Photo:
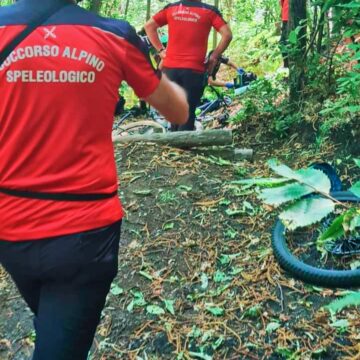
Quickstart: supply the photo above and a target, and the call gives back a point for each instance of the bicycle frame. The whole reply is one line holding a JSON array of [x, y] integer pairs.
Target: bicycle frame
[[213, 104], [205, 108]]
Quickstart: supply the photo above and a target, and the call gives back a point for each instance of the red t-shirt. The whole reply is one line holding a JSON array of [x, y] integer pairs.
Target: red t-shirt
[[59, 89], [189, 24], [284, 10]]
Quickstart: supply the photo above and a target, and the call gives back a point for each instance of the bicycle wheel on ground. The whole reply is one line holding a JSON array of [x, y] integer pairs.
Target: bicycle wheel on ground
[[227, 100], [144, 127], [297, 253]]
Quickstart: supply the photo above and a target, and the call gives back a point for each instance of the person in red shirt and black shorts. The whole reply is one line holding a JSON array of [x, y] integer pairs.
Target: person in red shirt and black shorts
[[60, 215], [189, 24], [284, 31]]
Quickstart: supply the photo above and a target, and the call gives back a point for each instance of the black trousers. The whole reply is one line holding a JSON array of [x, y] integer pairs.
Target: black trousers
[[284, 42], [193, 83], [64, 280]]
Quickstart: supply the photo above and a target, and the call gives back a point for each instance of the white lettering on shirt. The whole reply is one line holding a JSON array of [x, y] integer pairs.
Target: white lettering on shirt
[[39, 51], [50, 76]]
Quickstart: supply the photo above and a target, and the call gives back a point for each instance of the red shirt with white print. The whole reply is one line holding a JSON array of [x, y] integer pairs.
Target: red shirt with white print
[[189, 24], [59, 89]]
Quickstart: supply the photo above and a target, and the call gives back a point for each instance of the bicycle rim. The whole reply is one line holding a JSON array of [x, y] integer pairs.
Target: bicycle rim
[[145, 127]]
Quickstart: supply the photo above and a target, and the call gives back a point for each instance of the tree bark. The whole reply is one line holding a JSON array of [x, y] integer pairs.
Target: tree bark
[[95, 6], [148, 9], [214, 31], [321, 33], [182, 139], [297, 23], [126, 8]]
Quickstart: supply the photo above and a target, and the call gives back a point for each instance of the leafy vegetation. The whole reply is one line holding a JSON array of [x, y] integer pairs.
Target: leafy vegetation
[[294, 191], [352, 299]]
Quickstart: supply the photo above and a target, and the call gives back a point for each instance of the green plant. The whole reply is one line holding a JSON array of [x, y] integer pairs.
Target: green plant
[[345, 108], [292, 192], [262, 102], [352, 299], [167, 197]]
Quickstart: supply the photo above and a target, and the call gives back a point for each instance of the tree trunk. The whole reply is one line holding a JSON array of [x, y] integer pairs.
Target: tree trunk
[[148, 10], [214, 31], [126, 8], [297, 23], [95, 6]]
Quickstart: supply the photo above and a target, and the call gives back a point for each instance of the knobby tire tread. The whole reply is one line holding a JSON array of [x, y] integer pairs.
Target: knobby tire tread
[[307, 273]]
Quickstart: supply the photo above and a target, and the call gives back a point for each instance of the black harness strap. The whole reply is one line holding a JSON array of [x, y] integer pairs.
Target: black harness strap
[[39, 20], [57, 196]]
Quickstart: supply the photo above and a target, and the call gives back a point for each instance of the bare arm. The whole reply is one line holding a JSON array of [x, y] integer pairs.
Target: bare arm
[[170, 100], [151, 31], [215, 82], [226, 37], [232, 65]]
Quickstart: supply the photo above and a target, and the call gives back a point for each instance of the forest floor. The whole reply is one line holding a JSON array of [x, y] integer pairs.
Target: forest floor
[[197, 277]]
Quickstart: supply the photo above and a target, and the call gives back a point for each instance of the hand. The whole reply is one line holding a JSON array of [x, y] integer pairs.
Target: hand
[[240, 71], [229, 85], [162, 54], [211, 63]]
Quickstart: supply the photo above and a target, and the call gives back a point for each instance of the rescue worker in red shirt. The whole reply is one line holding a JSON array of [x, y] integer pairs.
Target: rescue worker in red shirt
[[60, 215], [284, 31], [189, 24]]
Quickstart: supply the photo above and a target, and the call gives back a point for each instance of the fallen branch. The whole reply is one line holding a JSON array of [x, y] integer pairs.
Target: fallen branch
[[182, 139], [227, 153]]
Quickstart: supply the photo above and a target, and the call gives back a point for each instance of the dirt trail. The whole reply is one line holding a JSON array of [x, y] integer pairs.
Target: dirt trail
[[197, 278]]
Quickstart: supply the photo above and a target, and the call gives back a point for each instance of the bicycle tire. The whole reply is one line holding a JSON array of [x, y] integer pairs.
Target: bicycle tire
[[330, 172], [138, 125], [227, 100], [307, 273]]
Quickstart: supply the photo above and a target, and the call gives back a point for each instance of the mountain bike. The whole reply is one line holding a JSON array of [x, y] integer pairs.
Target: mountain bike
[[206, 107], [337, 265], [221, 101], [154, 122]]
